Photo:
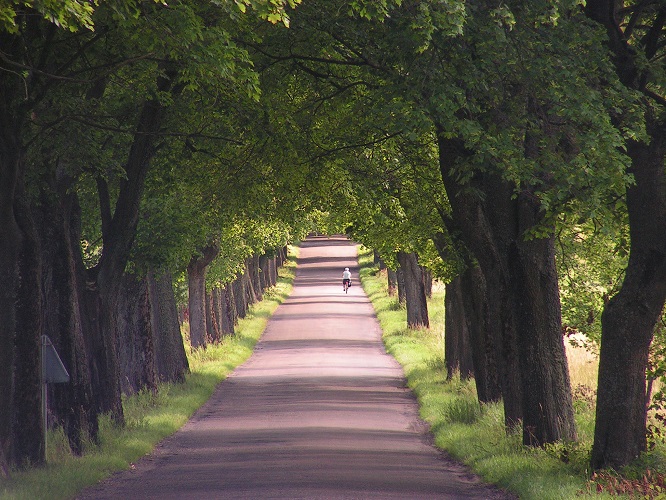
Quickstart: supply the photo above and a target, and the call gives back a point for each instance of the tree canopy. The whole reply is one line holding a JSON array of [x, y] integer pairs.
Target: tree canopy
[[517, 143]]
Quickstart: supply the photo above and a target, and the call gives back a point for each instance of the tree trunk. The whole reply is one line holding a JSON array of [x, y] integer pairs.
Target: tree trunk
[[11, 173], [248, 283], [136, 352], [457, 345], [264, 272], [255, 276], [392, 278], [475, 313], [118, 232], [231, 305], [273, 270], [548, 414], [482, 338], [218, 311], [28, 429], [196, 279], [212, 312], [477, 220], [427, 281], [226, 312], [170, 358], [522, 292], [72, 403], [628, 320], [400, 280], [240, 300], [415, 296]]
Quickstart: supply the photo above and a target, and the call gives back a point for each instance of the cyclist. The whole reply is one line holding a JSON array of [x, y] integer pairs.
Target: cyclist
[[346, 278]]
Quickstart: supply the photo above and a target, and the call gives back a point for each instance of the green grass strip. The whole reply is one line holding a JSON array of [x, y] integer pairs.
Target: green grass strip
[[149, 417]]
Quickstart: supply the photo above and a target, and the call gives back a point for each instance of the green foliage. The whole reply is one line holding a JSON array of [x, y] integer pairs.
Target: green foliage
[[68, 14], [592, 256]]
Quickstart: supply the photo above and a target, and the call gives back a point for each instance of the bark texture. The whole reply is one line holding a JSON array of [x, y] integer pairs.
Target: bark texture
[[457, 345], [170, 358], [136, 351], [521, 294], [196, 280], [415, 291]]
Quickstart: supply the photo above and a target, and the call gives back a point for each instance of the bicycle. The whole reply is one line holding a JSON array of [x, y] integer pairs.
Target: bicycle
[[346, 284]]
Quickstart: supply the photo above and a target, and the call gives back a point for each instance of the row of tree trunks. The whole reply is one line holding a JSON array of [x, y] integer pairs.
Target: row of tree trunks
[[413, 283], [520, 288], [71, 404], [151, 348], [216, 312]]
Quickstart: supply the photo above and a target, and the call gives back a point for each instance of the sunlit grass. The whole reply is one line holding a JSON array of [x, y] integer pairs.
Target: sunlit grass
[[150, 417]]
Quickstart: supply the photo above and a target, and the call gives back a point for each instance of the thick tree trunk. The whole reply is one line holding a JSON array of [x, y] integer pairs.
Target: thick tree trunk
[[629, 319], [392, 278], [475, 314], [400, 281], [240, 296], [218, 311], [255, 276], [264, 271], [548, 414], [28, 429], [212, 312], [226, 312], [427, 281], [170, 358], [11, 172], [196, 279], [10, 240], [231, 305], [482, 339], [248, 283], [415, 296], [72, 403], [457, 345], [136, 352], [273, 266]]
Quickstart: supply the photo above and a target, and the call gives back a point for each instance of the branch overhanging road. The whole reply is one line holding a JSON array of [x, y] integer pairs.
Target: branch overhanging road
[[319, 411]]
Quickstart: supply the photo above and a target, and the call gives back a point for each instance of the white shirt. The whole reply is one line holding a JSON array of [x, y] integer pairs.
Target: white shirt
[[346, 275]]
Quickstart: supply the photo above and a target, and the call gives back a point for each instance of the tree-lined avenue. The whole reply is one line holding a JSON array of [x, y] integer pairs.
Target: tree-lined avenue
[[319, 411]]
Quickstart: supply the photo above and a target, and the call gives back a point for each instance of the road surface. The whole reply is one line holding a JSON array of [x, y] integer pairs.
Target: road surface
[[319, 411]]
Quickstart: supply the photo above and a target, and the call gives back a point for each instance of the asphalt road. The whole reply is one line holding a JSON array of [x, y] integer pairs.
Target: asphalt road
[[319, 411]]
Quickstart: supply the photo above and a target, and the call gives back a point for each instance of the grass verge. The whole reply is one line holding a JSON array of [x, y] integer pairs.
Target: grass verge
[[474, 434], [150, 417]]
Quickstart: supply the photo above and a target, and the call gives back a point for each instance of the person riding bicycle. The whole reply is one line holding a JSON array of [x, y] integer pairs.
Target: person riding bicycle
[[346, 278]]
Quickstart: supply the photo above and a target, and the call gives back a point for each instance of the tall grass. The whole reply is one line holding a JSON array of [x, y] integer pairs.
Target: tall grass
[[149, 417], [472, 433]]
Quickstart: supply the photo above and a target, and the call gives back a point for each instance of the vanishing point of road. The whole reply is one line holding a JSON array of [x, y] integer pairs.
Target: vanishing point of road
[[319, 411]]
